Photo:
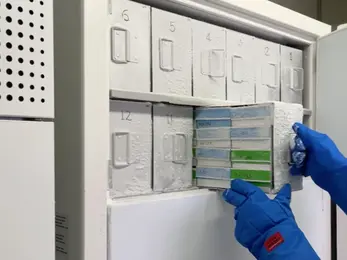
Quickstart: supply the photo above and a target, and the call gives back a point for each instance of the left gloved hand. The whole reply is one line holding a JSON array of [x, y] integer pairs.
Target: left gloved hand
[[267, 227]]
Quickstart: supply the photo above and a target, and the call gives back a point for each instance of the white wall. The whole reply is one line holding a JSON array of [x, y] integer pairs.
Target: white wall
[[334, 12], [306, 7], [328, 11]]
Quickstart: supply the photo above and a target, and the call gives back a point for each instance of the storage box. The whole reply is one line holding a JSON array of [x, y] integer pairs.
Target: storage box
[[249, 142]]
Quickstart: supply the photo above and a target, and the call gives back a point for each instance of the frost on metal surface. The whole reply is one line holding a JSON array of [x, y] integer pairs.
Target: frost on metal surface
[[267, 59], [209, 73], [173, 133], [292, 75], [130, 25], [171, 53], [131, 148]]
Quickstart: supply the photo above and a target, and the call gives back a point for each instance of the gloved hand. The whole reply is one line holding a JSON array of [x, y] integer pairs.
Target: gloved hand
[[267, 227], [323, 162]]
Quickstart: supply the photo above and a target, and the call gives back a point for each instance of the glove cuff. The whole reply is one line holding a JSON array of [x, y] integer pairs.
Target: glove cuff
[[284, 241]]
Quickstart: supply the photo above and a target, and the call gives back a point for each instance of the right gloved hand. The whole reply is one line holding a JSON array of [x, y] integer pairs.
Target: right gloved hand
[[323, 162]]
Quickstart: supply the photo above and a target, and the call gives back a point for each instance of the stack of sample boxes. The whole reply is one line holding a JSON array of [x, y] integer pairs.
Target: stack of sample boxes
[[233, 143], [249, 142]]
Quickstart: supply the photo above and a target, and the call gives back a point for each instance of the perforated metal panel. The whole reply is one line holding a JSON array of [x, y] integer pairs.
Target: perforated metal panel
[[26, 58]]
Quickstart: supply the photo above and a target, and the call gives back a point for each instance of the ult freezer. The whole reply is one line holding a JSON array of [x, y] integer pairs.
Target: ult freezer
[[103, 226]]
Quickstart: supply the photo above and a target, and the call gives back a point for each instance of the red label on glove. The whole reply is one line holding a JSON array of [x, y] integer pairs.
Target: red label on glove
[[272, 242]]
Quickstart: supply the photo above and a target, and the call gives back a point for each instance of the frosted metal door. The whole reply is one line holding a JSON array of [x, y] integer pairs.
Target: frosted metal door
[[130, 46], [209, 61], [292, 75], [331, 105], [131, 148], [172, 133], [240, 67], [172, 53], [267, 58]]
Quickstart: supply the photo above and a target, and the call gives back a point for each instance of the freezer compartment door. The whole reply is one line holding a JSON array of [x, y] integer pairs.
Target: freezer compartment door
[[331, 105], [194, 225]]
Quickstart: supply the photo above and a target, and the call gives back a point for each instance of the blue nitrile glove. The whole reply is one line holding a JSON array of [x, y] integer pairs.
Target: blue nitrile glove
[[267, 227], [324, 163]]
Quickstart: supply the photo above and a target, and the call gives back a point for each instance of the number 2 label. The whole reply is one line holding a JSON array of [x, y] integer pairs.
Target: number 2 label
[[126, 115]]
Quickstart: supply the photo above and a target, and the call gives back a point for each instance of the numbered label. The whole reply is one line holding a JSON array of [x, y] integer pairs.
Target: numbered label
[[169, 119], [267, 51], [126, 115], [125, 15], [172, 27]]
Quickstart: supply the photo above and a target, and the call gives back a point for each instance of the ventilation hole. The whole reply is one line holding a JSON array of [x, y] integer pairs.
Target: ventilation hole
[[0, 96], [42, 51], [32, 74], [42, 39], [9, 6], [32, 99], [20, 47], [31, 24], [31, 49], [32, 87], [21, 99], [42, 15], [42, 76], [42, 64], [31, 1], [20, 35], [41, 2], [21, 85], [9, 45], [20, 22], [8, 32], [31, 12], [9, 58], [32, 62], [9, 97], [9, 71], [20, 73], [8, 19], [9, 84], [42, 100], [42, 27], [20, 9], [31, 37], [43, 88], [20, 60]]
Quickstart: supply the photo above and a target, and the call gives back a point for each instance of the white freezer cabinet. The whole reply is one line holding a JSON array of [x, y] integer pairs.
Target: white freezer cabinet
[[148, 148], [173, 54], [100, 227]]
